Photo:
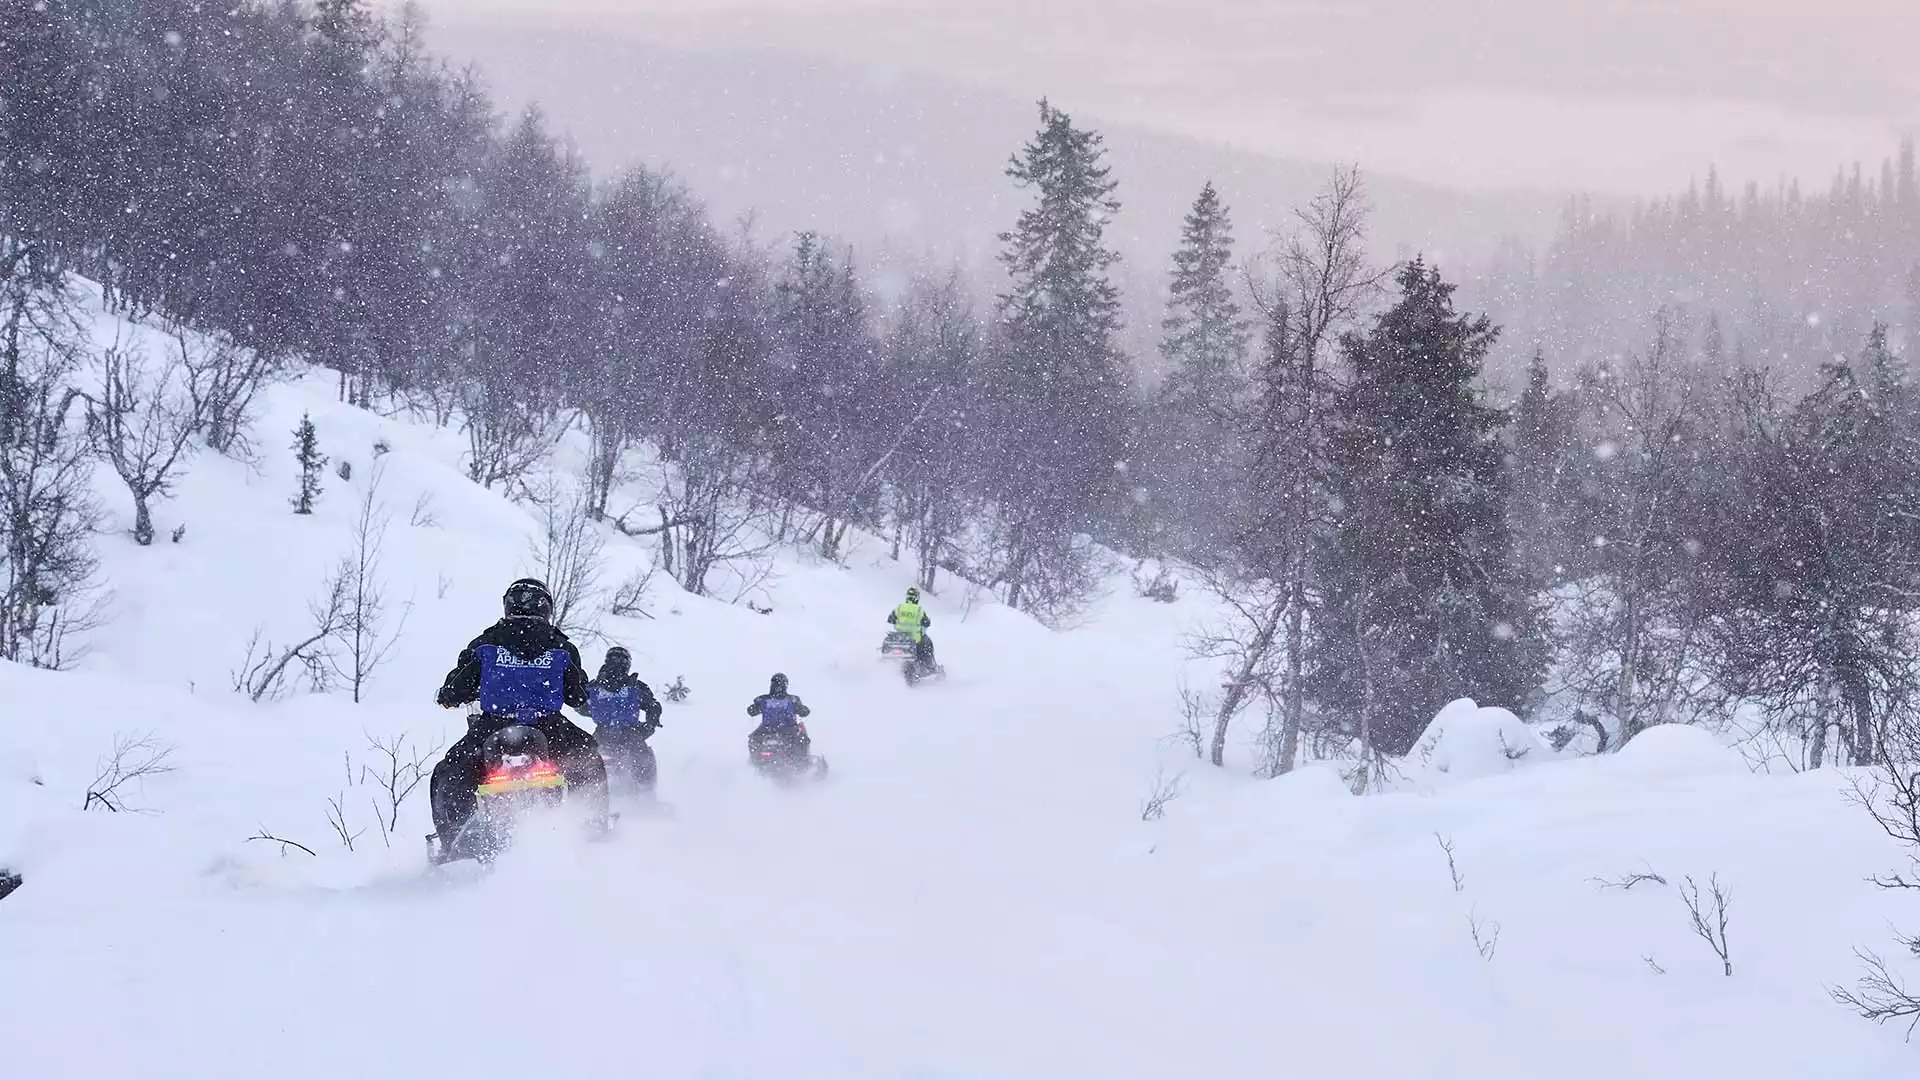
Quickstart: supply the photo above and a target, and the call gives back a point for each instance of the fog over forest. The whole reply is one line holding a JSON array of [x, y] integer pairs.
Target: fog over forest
[[887, 127]]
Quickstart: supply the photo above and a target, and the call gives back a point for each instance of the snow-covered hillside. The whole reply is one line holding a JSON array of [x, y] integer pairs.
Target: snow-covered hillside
[[973, 893]]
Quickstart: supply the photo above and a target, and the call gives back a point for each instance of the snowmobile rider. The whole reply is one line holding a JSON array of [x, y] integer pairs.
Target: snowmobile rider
[[521, 670], [617, 700], [780, 714], [912, 619]]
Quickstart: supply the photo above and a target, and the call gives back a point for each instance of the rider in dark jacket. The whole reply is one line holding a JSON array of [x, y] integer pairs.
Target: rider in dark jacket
[[521, 670], [625, 715], [780, 714]]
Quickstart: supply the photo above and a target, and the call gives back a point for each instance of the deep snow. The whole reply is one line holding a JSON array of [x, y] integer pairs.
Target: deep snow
[[971, 894]]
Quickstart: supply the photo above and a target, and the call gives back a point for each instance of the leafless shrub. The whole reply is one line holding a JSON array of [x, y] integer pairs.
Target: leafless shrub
[[569, 551], [1485, 932], [1453, 867], [1195, 707], [179, 532], [398, 770], [1654, 965], [1160, 586], [1486, 935], [262, 675], [142, 424], [678, 691], [1165, 790], [1892, 796], [424, 516], [630, 599], [441, 584], [712, 516], [506, 438], [365, 643], [1882, 995], [222, 380], [1709, 917], [337, 817], [133, 759]]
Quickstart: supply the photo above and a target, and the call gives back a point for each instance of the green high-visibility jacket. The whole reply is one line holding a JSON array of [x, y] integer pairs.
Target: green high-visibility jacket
[[910, 618]]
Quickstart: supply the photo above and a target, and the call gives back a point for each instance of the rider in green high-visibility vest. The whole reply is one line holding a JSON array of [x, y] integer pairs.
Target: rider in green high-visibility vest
[[912, 619]]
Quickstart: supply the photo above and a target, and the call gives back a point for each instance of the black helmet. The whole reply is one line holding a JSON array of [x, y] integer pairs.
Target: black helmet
[[529, 598], [913, 596], [618, 662], [777, 685]]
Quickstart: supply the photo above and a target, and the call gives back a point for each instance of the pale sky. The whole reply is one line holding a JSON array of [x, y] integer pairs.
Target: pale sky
[[1610, 95]]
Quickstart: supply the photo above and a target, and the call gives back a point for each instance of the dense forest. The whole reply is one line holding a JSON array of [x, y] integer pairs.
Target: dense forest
[[1718, 521], [1786, 278]]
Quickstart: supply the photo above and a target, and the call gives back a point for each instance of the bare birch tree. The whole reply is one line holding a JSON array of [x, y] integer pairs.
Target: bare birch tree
[[1314, 283], [1631, 633], [47, 512], [141, 422]]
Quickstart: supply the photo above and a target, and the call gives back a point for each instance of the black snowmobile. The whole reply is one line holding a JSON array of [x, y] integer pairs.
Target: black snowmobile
[[521, 778], [784, 755], [632, 770], [899, 647]]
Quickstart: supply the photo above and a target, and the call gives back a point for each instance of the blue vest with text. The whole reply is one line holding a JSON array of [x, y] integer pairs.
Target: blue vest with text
[[778, 712], [517, 688], [614, 708]]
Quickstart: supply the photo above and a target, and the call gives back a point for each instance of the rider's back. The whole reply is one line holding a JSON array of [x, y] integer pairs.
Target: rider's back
[[518, 668]]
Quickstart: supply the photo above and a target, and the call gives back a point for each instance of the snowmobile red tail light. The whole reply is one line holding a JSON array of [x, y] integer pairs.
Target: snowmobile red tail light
[[537, 777]]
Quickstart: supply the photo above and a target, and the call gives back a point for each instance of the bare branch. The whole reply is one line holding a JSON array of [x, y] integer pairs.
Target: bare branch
[[1453, 868], [1165, 790], [1628, 882], [133, 758], [1709, 917], [263, 834]]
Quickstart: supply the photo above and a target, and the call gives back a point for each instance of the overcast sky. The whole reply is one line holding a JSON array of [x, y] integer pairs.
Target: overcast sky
[[1613, 95]]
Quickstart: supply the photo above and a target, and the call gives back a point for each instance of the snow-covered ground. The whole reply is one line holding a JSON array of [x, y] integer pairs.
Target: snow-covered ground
[[972, 893]]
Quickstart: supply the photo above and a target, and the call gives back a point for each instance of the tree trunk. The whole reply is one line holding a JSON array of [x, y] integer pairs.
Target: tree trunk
[[1296, 704], [142, 521], [1859, 701]]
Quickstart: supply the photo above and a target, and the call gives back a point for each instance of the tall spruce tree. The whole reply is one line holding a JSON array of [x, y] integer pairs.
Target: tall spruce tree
[[1424, 601], [1189, 441], [1060, 391], [1204, 338], [1547, 495]]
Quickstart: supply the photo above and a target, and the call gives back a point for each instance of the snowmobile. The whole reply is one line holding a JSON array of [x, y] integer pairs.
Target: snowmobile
[[521, 777], [632, 770], [784, 757], [899, 647]]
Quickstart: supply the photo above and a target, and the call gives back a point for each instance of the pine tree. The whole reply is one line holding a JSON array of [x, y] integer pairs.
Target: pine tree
[[1423, 600], [1204, 337], [306, 451], [826, 356], [1060, 389], [1547, 497], [1189, 442]]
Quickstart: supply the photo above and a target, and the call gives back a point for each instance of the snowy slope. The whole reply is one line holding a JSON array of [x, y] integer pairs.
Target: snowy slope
[[972, 894]]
